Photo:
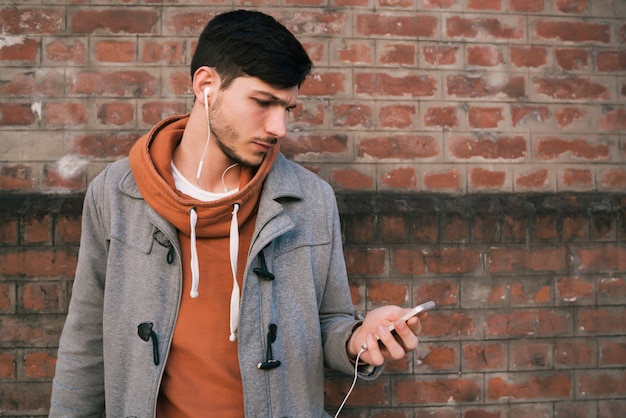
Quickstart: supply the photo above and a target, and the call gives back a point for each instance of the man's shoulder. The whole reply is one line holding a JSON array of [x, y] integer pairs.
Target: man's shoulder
[[288, 167], [118, 168], [288, 178], [113, 175]]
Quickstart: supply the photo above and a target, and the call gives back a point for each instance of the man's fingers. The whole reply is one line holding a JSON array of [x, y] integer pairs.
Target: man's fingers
[[406, 335], [395, 350], [373, 355], [415, 324]]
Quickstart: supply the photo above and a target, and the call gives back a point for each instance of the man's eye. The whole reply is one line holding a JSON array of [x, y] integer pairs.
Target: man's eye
[[263, 103]]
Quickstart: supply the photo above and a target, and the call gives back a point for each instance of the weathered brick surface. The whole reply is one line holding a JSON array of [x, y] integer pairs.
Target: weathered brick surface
[[445, 96], [531, 290], [531, 296], [483, 102]]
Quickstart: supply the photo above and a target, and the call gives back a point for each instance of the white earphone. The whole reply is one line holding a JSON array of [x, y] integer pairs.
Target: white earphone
[[207, 90]]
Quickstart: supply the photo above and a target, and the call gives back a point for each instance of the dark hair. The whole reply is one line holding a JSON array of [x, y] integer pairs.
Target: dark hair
[[241, 42]]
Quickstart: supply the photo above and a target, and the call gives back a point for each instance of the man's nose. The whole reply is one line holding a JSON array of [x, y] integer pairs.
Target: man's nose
[[276, 123]]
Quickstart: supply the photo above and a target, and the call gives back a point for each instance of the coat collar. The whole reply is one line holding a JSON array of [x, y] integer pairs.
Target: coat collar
[[281, 185]]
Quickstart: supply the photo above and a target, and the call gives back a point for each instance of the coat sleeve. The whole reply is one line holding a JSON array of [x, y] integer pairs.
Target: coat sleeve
[[78, 385], [337, 311]]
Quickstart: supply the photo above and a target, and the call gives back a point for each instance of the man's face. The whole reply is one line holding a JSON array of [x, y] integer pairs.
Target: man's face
[[249, 117]]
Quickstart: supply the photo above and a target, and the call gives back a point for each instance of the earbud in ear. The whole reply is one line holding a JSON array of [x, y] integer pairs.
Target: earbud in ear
[[207, 90]]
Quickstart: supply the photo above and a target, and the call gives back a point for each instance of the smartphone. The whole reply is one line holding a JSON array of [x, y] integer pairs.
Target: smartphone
[[426, 306]]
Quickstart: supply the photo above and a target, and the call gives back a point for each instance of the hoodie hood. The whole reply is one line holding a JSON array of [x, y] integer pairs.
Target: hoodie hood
[[150, 159]]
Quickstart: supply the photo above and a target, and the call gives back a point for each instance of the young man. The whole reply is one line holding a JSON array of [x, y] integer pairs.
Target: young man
[[211, 279]]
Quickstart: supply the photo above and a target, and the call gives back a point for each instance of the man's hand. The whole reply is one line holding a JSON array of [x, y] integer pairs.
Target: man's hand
[[389, 346]]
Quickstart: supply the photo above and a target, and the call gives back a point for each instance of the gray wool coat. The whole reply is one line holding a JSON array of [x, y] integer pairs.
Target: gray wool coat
[[123, 279]]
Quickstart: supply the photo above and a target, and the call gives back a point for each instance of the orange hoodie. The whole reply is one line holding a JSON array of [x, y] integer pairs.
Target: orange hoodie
[[202, 371]]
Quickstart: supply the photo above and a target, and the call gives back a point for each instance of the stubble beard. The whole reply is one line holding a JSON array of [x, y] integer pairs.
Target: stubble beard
[[222, 129]]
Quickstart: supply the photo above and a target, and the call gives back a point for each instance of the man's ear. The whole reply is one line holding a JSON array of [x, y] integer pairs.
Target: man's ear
[[205, 77]]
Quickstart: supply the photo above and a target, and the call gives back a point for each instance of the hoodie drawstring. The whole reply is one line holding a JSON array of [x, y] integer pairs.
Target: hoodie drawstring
[[234, 256], [195, 268]]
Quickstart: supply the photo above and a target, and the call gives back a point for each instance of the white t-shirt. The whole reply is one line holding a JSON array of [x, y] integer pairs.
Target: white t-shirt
[[190, 189]]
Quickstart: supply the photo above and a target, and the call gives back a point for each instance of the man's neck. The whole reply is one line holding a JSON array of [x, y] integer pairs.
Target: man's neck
[[211, 170]]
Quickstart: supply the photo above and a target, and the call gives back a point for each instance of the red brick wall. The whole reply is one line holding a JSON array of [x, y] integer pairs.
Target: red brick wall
[[39, 238], [452, 96], [531, 291], [477, 148]]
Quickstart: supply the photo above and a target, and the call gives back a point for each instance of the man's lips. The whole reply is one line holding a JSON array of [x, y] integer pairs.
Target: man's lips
[[265, 145]]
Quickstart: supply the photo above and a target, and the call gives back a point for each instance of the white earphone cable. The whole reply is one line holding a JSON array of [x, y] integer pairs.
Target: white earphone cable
[[356, 375], [208, 136], [224, 173]]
